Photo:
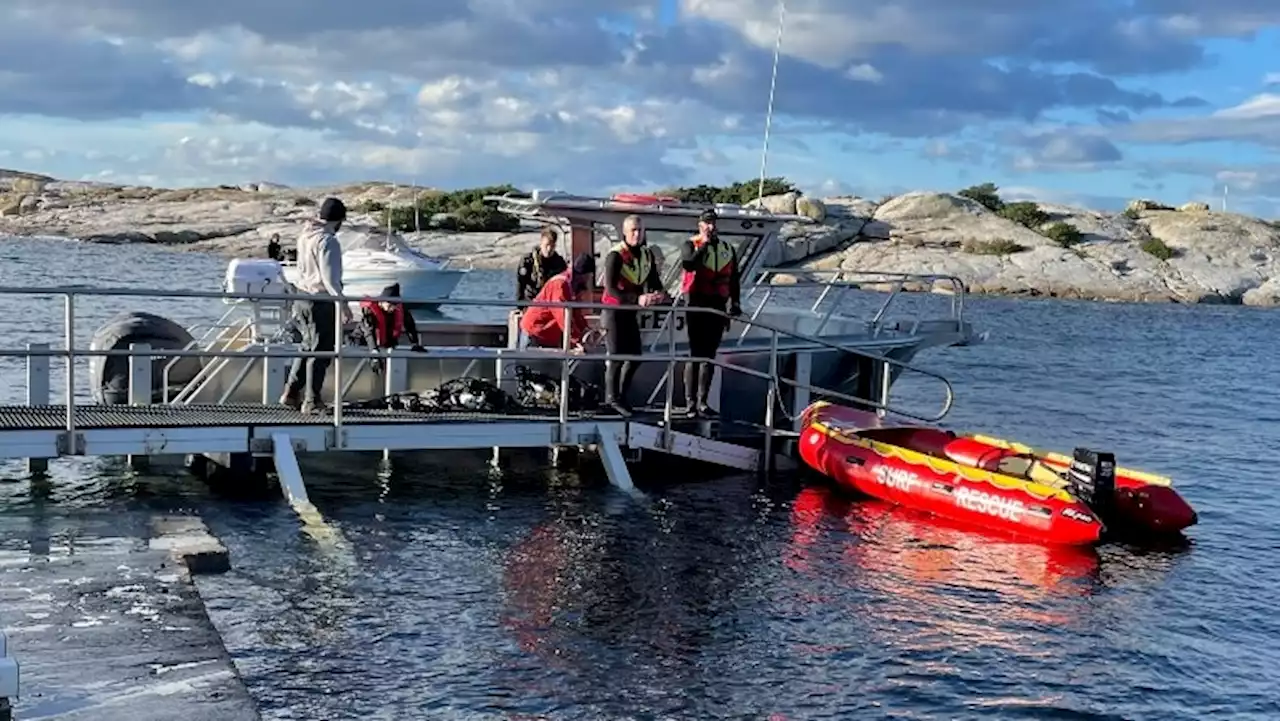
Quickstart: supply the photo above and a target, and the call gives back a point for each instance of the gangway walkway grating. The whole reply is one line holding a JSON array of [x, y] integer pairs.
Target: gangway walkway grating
[[50, 417]]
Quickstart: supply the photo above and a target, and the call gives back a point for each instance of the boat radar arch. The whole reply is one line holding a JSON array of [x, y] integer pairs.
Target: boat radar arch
[[543, 203]]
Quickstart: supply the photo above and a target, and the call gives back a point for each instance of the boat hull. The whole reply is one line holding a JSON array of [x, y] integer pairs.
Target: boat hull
[[976, 498], [425, 287]]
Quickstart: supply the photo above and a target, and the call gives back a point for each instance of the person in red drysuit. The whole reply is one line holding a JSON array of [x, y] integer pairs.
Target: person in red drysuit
[[544, 325]]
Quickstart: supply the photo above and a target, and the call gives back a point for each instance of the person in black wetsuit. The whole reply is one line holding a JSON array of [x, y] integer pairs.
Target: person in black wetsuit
[[539, 266], [273, 248], [630, 278], [711, 280]]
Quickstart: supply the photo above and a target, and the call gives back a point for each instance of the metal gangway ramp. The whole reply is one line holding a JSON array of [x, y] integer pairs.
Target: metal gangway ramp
[[40, 432]]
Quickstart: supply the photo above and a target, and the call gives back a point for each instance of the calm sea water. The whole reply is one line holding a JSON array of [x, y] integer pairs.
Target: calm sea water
[[440, 591]]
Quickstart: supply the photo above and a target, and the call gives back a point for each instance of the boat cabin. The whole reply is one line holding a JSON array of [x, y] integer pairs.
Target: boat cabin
[[594, 224]]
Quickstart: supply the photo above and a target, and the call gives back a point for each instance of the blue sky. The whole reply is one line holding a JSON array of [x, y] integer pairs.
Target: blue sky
[[1093, 102]]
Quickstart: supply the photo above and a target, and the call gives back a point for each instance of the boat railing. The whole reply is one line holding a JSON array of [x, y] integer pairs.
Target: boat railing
[[453, 263], [141, 388], [221, 325], [838, 282], [813, 341], [841, 281]]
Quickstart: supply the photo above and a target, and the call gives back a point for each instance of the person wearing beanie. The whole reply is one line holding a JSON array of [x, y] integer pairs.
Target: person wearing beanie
[[711, 280], [319, 275], [539, 266], [544, 325], [383, 322]]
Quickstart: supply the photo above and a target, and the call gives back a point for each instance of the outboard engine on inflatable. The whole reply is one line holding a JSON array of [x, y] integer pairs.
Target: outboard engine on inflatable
[[1092, 479], [110, 375]]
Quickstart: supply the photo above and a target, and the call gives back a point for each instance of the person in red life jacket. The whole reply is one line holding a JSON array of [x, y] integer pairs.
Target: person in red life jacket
[[544, 325], [711, 280], [630, 278], [383, 322]]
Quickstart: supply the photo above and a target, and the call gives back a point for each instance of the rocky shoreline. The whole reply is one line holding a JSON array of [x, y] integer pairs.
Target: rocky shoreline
[[1149, 253]]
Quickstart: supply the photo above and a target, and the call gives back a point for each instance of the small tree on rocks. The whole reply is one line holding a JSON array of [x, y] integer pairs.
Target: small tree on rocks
[[987, 195]]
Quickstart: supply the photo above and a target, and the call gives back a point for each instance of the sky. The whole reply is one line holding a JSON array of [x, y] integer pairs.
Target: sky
[[1090, 102]]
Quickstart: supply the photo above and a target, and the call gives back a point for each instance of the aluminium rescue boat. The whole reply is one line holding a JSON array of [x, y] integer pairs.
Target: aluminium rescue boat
[[989, 482]]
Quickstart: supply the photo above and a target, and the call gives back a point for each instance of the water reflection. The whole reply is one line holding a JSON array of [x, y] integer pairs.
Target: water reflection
[[938, 583], [630, 596]]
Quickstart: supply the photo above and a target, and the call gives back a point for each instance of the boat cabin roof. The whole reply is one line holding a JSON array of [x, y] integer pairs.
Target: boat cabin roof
[[658, 212]]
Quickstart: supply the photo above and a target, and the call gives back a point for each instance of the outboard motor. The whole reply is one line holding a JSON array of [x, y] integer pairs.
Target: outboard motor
[[1092, 479]]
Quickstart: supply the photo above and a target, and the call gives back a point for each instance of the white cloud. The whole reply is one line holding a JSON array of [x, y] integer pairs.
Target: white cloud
[[543, 91], [1266, 105]]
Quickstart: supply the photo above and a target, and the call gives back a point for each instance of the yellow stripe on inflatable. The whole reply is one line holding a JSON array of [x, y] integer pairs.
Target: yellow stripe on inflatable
[[1065, 460], [945, 467]]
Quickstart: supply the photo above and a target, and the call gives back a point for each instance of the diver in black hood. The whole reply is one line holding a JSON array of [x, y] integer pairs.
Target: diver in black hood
[[383, 322]]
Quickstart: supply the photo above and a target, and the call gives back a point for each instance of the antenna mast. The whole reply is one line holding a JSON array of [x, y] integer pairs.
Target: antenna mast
[[773, 84]]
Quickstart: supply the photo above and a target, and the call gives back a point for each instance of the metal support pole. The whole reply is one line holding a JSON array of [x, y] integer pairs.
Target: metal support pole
[[395, 371], [37, 394], [139, 374], [772, 401], [886, 382], [337, 372], [139, 390], [10, 674], [563, 434], [273, 379], [69, 335], [667, 438], [499, 371], [801, 396], [395, 375]]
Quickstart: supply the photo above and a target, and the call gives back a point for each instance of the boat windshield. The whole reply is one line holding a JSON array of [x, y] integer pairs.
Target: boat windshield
[[372, 240], [666, 249]]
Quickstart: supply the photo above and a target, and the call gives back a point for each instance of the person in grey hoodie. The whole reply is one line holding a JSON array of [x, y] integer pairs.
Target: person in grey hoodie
[[319, 274]]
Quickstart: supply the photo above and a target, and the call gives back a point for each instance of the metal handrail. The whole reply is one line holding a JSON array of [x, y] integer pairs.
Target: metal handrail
[[452, 353], [871, 277], [882, 405], [753, 321], [71, 352]]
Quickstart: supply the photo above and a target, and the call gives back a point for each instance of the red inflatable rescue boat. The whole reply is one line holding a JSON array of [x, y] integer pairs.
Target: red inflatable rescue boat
[[989, 482]]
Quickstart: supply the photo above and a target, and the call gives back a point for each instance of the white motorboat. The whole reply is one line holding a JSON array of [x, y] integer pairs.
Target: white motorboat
[[373, 261]]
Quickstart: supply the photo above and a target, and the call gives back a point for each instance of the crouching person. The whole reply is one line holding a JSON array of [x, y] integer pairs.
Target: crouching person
[[544, 325], [383, 323]]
